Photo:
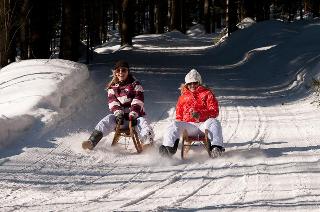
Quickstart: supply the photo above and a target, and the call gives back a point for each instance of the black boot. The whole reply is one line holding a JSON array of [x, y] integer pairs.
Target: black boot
[[95, 137], [167, 151], [216, 151]]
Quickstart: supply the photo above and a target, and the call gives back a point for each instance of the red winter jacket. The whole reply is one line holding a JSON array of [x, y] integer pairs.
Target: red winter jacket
[[201, 102]]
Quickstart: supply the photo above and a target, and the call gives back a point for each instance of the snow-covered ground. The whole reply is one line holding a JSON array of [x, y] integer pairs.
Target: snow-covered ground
[[262, 76]]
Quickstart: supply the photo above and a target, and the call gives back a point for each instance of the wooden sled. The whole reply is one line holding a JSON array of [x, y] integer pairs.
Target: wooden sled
[[189, 141], [127, 132]]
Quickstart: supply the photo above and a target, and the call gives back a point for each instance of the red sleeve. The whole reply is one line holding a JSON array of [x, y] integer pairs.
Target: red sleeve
[[212, 105], [179, 109]]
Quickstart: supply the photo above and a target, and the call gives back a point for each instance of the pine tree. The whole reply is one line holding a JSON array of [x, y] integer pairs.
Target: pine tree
[[70, 32], [4, 32], [126, 21], [39, 36]]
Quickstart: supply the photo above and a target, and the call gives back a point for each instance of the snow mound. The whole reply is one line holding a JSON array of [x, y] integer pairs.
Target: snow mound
[[35, 91], [245, 23], [175, 34], [196, 30]]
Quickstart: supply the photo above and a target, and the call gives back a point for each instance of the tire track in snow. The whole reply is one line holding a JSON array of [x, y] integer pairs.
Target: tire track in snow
[[56, 196], [171, 179], [123, 186], [256, 140], [301, 132], [243, 192], [236, 128], [31, 166], [21, 189], [210, 178], [110, 192], [224, 117], [195, 191], [37, 170], [77, 188], [267, 183], [246, 184], [261, 129]]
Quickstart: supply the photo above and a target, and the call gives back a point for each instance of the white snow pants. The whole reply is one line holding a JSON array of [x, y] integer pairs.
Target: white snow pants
[[108, 125], [175, 129]]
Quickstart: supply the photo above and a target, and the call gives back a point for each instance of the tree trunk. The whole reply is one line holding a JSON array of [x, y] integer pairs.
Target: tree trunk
[[4, 32], [96, 22], [126, 19], [315, 8], [13, 26], [219, 12], [87, 8], [259, 11], [213, 18], [152, 29], [248, 9], [263, 10], [301, 9], [23, 43], [183, 15], [70, 32], [232, 16], [175, 19], [201, 11], [266, 9], [39, 44], [207, 15], [114, 3], [161, 15]]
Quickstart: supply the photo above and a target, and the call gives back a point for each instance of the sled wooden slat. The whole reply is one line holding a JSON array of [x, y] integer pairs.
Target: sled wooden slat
[[127, 132], [189, 141]]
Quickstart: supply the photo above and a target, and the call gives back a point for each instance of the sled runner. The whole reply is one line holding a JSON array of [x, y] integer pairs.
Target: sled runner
[[127, 132], [189, 141]]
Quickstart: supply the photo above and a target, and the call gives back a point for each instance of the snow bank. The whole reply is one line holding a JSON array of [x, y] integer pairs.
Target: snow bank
[[196, 30], [245, 23], [36, 91], [317, 76]]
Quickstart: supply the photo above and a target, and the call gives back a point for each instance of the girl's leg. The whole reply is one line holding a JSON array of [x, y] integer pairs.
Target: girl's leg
[[106, 125], [215, 131], [175, 129], [144, 130]]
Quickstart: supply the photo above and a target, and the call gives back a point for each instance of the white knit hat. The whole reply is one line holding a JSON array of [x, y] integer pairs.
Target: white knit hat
[[193, 76]]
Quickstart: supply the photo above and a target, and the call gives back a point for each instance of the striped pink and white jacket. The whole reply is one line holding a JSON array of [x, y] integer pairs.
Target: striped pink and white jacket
[[126, 98]]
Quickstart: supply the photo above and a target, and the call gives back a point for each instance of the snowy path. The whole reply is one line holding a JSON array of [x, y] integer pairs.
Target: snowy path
[[264, 168], [271, 132]]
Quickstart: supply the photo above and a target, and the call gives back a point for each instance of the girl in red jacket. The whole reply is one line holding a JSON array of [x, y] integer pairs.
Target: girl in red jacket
[[196, 110], [126, 102]]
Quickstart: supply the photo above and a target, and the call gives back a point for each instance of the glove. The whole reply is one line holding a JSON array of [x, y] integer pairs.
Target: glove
[[133, 118], [120, 119], [195, 115]]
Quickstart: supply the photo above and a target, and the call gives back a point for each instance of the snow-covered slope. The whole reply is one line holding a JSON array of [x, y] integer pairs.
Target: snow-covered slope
[[261, 76], [37, 92]]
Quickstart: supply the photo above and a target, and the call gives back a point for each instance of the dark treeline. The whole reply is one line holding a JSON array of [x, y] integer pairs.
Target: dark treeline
[[64, 28]]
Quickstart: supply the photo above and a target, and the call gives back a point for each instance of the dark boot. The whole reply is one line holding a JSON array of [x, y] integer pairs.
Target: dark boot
[[216, 151], [95, 137], [167, 151]]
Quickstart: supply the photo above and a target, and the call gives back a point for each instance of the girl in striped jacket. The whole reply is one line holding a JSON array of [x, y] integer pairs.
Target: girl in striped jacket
[[126, 102]]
